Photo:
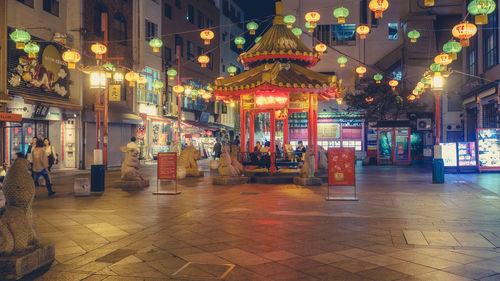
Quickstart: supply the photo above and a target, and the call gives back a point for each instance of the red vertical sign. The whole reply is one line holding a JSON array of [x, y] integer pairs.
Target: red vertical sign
[[167, 166], [341, 167]]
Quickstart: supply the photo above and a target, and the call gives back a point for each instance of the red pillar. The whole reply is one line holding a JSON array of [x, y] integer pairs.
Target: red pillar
[[273, 139], [310, 124], [315, 128], [242, 126], [252, 131], [285, 131]]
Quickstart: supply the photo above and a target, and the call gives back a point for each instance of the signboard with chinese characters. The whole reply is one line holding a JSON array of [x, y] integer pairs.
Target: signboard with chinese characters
[[271, 100], [10, 117], [488, 148], [341, 167], [328, 130], [167, 166], [114, 92]]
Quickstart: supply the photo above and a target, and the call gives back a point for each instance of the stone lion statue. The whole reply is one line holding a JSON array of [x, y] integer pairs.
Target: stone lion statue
[[18, 232], [307, 170], [187, 159], [323, 158], [226, 167], [131, 165]]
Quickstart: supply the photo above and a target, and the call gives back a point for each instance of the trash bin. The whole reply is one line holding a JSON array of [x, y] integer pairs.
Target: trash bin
[[438, 171], [97, 178]]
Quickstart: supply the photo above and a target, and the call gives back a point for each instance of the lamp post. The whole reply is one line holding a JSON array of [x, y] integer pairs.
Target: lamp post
[[437, 163]]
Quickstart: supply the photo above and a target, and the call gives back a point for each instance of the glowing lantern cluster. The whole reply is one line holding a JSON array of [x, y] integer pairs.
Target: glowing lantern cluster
[[289, 20], [339, 101], [71, 57], [98, 49], [171, 74], [481, 9], [21, 37], [362, 30], [369, 99], [32, 49], [452, 48], [118, 77], [156, 44], [257, 40], [393, 83], [131, 77], [436, 68], [378, 77], [239, 41], [361, 70], [320, 48], [341, 13], [97, 80], [442, 59], [252, 26], [378, 7], [207, 35], [203, 60], [464, 31], [312, 17], [342, 61], [413, 35], [232, 70], [206, 95], [428, 3], [411, 97], [297, 31]]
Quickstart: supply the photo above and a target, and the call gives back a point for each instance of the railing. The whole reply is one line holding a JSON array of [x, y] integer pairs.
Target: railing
[[263, 159]]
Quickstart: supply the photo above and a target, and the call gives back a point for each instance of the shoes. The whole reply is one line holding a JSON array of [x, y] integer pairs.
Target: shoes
[[51, 193]]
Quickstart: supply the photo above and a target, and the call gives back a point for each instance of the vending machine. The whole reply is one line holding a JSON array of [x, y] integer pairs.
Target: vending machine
[[69, 143]]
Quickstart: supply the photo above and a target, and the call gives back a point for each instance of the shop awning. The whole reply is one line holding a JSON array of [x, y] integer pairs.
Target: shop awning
[[221, 126], [201, 126]]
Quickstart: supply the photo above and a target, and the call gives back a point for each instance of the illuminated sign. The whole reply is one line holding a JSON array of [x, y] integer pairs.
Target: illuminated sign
[[271, 100]]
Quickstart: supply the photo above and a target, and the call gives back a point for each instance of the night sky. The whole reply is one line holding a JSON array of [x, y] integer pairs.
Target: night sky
[[257, 8]]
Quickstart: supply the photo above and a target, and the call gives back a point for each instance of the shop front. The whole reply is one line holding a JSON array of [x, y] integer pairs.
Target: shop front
[[200, 135], [42, 121], [334, 130]]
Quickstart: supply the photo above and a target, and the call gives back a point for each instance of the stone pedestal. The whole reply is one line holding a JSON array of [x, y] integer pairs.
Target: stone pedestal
[[222, 180], [17, 266], [307, 181], [194, 174], [133, 185]]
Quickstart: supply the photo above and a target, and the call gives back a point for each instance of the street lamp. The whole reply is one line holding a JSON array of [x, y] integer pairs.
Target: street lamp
[[438, 163], [97, 79]]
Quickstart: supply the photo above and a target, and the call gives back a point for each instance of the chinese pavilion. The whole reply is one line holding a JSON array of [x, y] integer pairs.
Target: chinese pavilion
[[279, 83]]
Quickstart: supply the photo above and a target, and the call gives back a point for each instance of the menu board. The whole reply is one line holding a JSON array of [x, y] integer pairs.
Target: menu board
[[488, 147], [467, 154], [449, 151], [341, 167], [167, 166]]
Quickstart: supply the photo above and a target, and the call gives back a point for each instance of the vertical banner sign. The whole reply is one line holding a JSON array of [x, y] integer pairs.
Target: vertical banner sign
[[167, 166], [114, 92], [341, 167]]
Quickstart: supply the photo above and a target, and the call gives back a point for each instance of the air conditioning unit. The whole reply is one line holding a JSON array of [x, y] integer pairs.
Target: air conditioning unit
[[424, 124], [454, 127]]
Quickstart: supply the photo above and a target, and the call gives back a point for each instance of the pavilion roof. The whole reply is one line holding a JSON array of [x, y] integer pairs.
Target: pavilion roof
[[287, 77], [279, 43]]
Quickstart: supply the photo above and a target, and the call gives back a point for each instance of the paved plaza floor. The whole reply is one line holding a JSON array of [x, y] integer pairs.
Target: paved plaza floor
[[402, 228]]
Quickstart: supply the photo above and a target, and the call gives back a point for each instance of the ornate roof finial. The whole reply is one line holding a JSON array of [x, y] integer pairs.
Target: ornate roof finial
[[278, 19]]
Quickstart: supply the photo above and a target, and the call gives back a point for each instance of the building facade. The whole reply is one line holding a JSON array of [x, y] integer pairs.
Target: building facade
[[42, 91]]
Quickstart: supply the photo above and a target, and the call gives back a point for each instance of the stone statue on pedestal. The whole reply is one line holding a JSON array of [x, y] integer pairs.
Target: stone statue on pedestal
[[307, 170], [226, 167], [20, 250], [131, 176]]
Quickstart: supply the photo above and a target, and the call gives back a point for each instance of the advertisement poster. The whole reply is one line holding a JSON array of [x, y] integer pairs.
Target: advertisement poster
[[467, 154], [488, 147], [329, 130], [167, 166], [449, 154], [114, 92], [341, 167]]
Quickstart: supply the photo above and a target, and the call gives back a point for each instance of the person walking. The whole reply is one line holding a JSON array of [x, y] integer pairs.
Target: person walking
[[32, 146], [51, 153], [41, 166], [217, 149]]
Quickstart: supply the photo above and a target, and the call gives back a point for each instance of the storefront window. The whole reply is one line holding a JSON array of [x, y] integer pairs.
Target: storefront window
[[147, 94]]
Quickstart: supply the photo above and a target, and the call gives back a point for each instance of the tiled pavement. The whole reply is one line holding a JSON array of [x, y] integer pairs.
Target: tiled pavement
[[402, 228]]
